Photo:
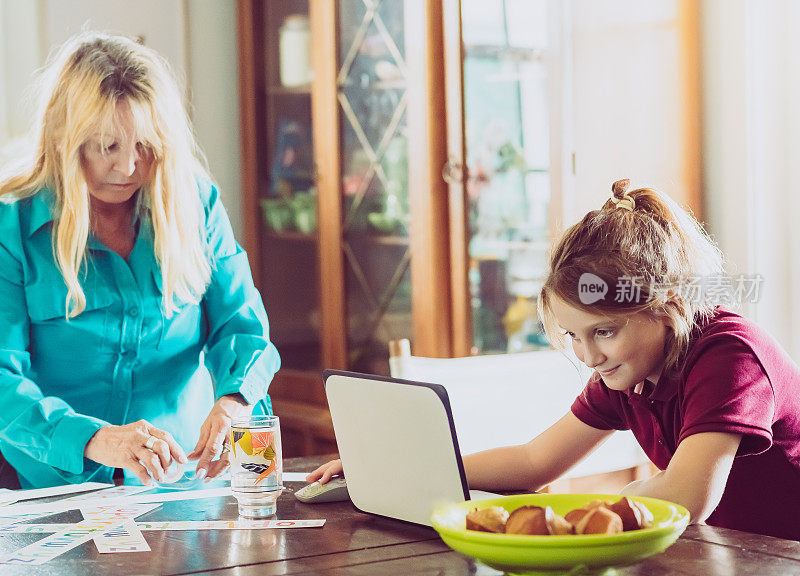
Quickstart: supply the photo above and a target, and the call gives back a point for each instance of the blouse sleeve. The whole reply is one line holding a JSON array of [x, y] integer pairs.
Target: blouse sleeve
[[239, 353], [44, 427], [727, 390]]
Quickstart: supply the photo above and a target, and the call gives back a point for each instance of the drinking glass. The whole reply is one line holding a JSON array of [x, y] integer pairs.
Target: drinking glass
[[256, 464]]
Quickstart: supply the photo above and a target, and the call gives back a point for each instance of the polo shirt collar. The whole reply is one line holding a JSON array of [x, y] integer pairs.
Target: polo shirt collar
[[43, 206], [665, 389]]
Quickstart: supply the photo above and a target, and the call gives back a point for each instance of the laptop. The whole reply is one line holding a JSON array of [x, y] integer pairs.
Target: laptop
[[398, 445]]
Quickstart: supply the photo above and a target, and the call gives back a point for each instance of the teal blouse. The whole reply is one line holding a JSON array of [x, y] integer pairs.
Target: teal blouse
[[121, 359]]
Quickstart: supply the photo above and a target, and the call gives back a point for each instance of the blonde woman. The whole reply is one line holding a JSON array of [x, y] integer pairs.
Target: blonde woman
[[123, 289]]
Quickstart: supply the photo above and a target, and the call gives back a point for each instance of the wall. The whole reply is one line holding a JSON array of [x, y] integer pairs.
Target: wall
[[214, 73], [629, 106], [751, 72], [160, 23], [20, 55], [198, 37]]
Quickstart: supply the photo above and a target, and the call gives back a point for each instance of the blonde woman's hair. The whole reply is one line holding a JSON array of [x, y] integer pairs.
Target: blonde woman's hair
[[79, 90], [644, 247]]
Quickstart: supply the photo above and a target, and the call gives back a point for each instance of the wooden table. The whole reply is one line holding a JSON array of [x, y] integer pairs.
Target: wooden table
[[355, 544]]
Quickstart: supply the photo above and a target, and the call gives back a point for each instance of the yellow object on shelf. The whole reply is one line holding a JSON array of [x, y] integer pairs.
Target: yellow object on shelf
[[517, 313]]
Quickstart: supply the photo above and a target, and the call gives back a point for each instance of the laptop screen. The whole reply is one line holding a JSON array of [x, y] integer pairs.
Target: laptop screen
[[398, 444]]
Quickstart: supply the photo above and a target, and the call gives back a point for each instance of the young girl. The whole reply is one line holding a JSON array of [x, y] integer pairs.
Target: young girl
[[122, 288], [711, 398]]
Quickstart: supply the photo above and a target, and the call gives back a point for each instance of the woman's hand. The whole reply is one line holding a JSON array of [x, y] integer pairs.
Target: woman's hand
[[139, 447], [325, 472], [214, 433]]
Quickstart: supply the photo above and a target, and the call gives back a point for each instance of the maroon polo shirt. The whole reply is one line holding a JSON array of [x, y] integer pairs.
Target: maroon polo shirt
[[735, 378]]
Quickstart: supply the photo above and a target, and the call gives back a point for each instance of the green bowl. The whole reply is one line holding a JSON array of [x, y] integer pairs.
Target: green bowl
[[521, 554]]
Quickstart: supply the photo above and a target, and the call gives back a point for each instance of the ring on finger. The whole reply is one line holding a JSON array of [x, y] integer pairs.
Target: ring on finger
[[150, 442]]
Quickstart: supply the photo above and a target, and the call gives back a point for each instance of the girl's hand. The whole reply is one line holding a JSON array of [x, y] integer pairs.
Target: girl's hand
[[325, 472], [139, 447], [214, 436]]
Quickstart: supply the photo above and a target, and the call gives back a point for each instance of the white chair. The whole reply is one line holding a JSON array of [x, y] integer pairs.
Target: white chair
[[502, 400]]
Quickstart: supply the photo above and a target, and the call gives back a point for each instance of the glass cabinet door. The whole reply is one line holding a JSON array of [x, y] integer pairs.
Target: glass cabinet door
[[507, 143], [373, 102], [289, 279]]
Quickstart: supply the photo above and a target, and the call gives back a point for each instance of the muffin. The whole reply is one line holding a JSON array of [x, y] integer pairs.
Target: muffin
[[491, 519], [634, 515], [538, 521], [599, 520]]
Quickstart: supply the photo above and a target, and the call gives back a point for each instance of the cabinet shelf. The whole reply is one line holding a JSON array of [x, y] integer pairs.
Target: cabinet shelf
[[379, 239], [376, 85], [512, 53], [304, 90], [290, 235], [361, 237]]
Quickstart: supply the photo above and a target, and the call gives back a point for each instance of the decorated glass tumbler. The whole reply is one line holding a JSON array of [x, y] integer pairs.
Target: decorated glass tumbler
[[256, 465]]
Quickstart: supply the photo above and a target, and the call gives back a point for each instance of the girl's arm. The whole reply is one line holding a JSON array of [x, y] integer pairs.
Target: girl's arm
[[537, 463], [696, 475]]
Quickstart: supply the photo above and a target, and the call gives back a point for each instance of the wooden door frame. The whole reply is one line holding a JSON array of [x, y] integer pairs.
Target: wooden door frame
[[324, 19], [689, 32], [249, 24], [456, 169], [428, 194]]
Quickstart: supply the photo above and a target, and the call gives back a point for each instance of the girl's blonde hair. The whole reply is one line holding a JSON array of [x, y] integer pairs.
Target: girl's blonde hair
[[79, 90], [645, 248]]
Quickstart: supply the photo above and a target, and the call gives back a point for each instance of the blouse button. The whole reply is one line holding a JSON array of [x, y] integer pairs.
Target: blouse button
[[133, 312]]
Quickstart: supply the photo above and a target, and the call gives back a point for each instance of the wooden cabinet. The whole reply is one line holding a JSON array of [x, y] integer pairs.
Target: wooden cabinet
[[345, 209], [409, 189]]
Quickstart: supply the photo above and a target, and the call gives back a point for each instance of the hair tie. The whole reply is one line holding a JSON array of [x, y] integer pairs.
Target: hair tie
[[619, 195], [625, 202]]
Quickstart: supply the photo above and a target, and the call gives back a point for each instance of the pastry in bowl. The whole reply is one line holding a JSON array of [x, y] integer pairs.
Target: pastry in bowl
[[533, 553], [634, 515], [537, 520], [597, 517], [491, 519]]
